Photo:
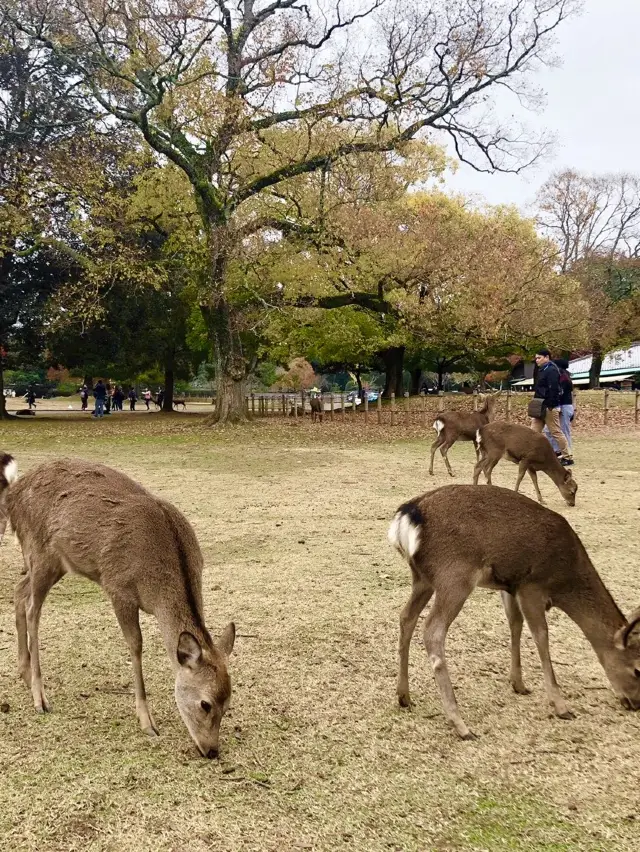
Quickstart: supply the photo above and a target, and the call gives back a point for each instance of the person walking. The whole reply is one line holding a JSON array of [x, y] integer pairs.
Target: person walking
[[30, 396], [547, 389], [147, 398], [133, 396], [160, 398], [84, 397], [100, 393], [567, 405]]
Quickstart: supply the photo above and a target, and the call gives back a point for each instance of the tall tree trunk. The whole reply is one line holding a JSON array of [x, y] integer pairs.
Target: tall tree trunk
[[596, 365], [88, 381], [358, 376], [416, 375], [231, 364], [167, 402], [393, 360], [441, 368], [4, 414]]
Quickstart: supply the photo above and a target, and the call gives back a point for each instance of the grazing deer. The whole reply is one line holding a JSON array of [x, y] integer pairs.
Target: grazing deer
[[530, 450], [453, 426], [458, 537], [145, 556], [317, 408]]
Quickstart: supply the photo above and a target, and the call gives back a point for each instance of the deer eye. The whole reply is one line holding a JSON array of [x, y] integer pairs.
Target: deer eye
[[205, 706]]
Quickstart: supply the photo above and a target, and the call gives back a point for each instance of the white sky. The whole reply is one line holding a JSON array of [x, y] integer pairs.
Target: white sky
[[592, 104]]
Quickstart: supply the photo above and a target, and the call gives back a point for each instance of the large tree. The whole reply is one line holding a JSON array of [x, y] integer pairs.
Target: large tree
[[595, 222], [246, 95]]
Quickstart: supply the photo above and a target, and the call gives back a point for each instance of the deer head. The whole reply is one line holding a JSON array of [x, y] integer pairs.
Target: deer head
[[203, 687]]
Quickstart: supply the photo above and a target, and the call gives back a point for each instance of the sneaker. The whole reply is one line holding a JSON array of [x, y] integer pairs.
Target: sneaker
[[566, 462]]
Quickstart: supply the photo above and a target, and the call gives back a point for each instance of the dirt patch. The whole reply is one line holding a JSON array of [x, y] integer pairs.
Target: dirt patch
[[292, 520]]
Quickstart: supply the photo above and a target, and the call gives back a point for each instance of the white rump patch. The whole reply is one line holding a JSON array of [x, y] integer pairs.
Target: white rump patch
[[10, 471], [478, 441], [438, 425], [404, 535]]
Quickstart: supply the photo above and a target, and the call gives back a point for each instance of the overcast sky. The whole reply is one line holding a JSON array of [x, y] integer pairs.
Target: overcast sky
[[593, 104]]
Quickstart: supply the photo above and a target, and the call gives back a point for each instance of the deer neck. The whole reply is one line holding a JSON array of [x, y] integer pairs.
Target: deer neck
[[593, 609]]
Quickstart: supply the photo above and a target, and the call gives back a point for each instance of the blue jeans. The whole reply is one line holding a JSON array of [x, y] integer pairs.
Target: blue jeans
[[566, 412], [99, 412]]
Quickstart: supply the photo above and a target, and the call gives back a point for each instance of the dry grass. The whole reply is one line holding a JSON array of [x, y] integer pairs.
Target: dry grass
[[315, 754]]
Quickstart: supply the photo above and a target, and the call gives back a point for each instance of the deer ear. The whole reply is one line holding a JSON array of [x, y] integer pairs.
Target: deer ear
[[629, 635], [189, 650], [227, 639]]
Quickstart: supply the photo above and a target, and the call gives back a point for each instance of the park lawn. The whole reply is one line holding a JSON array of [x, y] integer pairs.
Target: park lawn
[[292, 520]]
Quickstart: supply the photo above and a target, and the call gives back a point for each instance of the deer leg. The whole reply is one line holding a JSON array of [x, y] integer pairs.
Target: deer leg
[[488, 467], [41, 580], [533, 608], [438, 441], [522, 469], [419, 598], [128, 619], [22, 597], [444, 449], [514, 616], [534, 479], [441, 615]]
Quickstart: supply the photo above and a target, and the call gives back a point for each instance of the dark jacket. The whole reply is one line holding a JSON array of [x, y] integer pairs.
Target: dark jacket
[[100, 391], [548, 385]]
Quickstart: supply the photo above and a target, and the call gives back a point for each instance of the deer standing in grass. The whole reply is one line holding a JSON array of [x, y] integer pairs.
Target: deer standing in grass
[[458, 537], [143, 553], [453, 426], [530, 450]]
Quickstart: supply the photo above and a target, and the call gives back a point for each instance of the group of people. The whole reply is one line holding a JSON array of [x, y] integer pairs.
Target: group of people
[[109, 398], [555, 388]]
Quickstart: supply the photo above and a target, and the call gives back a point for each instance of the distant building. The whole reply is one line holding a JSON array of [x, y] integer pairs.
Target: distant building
[[619, 366]]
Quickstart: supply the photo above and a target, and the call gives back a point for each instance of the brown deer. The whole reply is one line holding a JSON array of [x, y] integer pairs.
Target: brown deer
[[453, 426], [458, 537], [145, 556], [530, 450]]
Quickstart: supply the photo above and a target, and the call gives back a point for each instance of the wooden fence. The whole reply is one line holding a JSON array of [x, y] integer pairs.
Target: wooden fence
[[412, 411]]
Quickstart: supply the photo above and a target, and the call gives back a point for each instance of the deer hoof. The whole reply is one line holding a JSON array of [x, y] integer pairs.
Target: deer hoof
[[566, 714], [469, 736], [520, 689], [404, 700], [151, 732]]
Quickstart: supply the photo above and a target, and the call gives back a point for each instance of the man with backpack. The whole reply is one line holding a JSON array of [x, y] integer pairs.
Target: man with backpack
[[567, 405], [100, 394], [547, 395]]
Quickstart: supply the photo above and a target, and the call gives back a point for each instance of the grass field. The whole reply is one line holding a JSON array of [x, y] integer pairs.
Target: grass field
[[315, 754]]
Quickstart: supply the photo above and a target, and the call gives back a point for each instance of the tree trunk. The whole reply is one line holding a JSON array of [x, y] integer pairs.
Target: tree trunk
[[88, 381], [167, 402], [231, 364], [393, 360], [596, 366], [4, 414], [359, 382], [416, 375], [441, 367]]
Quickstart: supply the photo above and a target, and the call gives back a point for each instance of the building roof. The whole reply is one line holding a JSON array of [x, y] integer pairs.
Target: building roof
[[619, 363]]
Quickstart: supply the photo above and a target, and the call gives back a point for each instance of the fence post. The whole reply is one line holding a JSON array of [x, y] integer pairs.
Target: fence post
[[440, 400], [508, 405], [366, 407], [423, 397], [302, 398], [332, 406], [248, 402], [379, 408], [295, 405], [393, 409], [407, 419], [354, 407], [475, 399], [253, 403], [344, 405], [606, 406], [637, 406], [284, 406]]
